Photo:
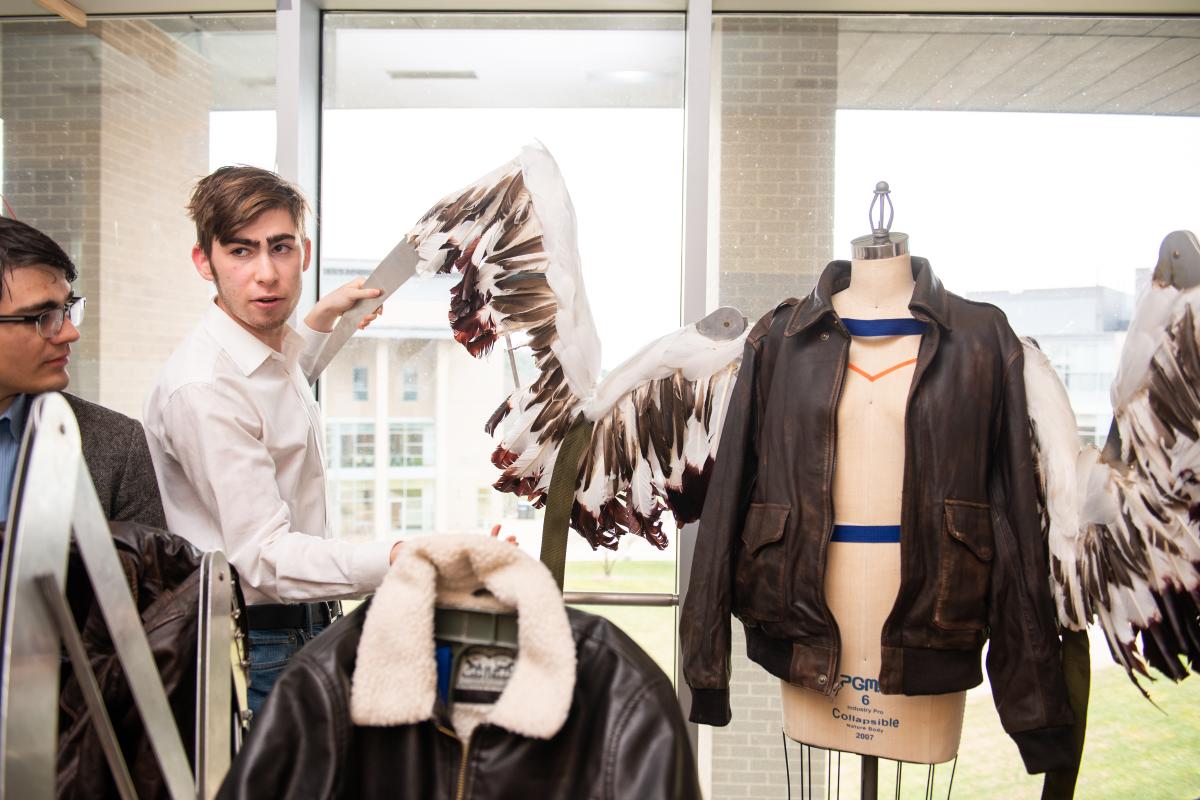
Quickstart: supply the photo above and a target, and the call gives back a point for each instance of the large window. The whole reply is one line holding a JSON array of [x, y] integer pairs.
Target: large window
[[1009, 148], [105, 130], [419, 105]]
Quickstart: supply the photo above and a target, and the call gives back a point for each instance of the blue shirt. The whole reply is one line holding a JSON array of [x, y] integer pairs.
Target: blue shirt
[[12, 428]]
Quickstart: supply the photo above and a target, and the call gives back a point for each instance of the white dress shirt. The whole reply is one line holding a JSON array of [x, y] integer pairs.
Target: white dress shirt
[[235, 435]]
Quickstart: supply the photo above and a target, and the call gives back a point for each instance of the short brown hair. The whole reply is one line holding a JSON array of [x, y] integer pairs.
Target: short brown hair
[[23, 245], [232, 197]]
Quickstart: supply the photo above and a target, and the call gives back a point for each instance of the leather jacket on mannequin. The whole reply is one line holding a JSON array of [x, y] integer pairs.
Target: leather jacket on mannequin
[[973, 563]]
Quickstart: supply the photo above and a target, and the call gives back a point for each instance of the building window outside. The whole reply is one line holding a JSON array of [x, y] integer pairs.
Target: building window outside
[[410, 444], [358, 383], [350, 445], [409, 378], [356, 509], [411, 506]]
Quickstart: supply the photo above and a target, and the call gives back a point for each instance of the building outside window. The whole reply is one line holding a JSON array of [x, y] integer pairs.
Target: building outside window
[[410, 444], [411, 506], [350, 445], [355, 504], [358, 385], [410, 380]]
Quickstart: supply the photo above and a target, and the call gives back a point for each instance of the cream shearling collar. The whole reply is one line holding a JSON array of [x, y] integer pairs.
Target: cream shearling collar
[[395, 679]]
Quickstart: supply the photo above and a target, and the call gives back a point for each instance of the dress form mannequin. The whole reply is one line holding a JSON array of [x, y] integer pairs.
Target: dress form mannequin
[[863, 577]]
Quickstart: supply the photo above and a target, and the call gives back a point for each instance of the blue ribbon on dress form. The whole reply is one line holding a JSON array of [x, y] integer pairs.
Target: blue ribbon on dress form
[[905, 326], [866, 534]]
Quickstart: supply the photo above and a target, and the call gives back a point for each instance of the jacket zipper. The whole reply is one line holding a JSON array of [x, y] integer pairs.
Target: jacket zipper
[[461, 789], [831, 466]]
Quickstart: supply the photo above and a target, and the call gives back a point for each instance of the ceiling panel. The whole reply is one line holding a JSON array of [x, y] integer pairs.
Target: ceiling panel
[[1028, 64]]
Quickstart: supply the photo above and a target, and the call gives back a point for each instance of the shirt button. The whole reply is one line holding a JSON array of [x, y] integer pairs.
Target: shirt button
[[821, 678], [825, 336]]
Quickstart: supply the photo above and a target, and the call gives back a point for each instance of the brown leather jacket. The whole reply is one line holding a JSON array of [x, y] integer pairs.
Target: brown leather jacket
[[162, 572], [972, 560], [624, 736]]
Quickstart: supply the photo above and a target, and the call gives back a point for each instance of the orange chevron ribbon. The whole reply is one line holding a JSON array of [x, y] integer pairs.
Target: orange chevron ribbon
[[878, 375]]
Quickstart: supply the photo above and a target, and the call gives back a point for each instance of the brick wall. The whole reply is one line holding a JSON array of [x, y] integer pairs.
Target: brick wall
[[775, 101], [105, 130]]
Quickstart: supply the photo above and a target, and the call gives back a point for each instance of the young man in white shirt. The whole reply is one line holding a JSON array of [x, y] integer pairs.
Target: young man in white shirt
[[234, 429]]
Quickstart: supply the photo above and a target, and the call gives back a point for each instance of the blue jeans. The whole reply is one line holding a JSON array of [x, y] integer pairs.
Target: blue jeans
[[270, 651]]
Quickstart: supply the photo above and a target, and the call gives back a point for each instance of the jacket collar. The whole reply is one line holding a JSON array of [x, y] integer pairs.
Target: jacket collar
[[395, 678], [928, 295], [246, 350]]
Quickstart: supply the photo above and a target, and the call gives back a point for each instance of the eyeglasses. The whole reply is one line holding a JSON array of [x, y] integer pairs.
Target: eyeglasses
[[50, 323]]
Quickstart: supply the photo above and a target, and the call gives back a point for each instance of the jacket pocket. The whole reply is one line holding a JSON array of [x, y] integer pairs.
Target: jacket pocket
[[759, 590], [964, 566]]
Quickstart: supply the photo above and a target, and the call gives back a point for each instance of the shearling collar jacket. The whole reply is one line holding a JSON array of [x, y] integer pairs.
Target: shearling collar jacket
[[972, 561], [585, 714]]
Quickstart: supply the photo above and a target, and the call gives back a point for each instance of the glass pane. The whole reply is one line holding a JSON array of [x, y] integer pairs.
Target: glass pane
[[105, 131], [417, 106], [1009, 148]]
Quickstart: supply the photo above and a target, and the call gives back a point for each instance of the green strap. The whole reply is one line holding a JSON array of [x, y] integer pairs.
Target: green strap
[[562, 496], [1077, 669]]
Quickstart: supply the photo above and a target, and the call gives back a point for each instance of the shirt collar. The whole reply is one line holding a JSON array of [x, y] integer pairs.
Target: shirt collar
[[247, 350], [15, 414]]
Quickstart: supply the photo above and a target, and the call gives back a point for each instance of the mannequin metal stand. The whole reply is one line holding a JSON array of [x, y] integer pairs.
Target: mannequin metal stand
[[870, 777]]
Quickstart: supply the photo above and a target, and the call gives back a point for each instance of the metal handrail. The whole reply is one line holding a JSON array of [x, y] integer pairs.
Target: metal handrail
[[661, 599]]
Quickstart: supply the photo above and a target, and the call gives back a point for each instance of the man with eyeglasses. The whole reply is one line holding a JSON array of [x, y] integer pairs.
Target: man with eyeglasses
[[39, 319]]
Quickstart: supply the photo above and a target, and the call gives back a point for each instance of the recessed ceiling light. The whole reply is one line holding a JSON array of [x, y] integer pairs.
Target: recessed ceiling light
[[625, 75], [432, 74]]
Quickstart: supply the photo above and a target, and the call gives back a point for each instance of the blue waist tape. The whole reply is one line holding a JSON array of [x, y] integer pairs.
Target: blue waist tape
[[884, 327], [866, 534]]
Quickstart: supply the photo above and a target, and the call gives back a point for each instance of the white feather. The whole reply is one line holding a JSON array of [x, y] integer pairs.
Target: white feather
[[685, 350], [578, 346]]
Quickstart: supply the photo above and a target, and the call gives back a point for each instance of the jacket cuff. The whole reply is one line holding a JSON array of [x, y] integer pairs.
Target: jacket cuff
[[1046, 749], [710, 707]]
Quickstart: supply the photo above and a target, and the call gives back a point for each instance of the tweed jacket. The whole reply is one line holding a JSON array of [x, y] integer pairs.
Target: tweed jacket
[[114, 447]]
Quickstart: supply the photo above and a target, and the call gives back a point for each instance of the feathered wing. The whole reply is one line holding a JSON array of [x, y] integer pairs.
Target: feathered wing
[[657, 421], [511, 235], [1124, 539], [1156, 405]]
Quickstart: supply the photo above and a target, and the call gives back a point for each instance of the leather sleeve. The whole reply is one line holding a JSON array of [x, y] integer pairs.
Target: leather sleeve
[[652, 758], [296, 745], [704, 625], [1024, 659]]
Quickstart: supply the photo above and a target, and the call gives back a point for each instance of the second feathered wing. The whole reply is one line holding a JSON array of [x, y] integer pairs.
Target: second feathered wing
[[657, 422], [1124, 538]]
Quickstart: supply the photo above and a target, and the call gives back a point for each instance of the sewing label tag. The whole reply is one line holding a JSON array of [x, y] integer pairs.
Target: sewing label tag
[[483, 672]]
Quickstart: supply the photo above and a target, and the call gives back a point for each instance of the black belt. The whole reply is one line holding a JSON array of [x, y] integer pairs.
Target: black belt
[[268, 616]]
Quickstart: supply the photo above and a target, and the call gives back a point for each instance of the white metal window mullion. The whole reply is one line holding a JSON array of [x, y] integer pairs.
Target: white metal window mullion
[[695, 300]]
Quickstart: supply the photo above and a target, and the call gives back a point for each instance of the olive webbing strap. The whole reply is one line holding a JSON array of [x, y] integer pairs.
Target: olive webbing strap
[[561, 497], [1077, 669]]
